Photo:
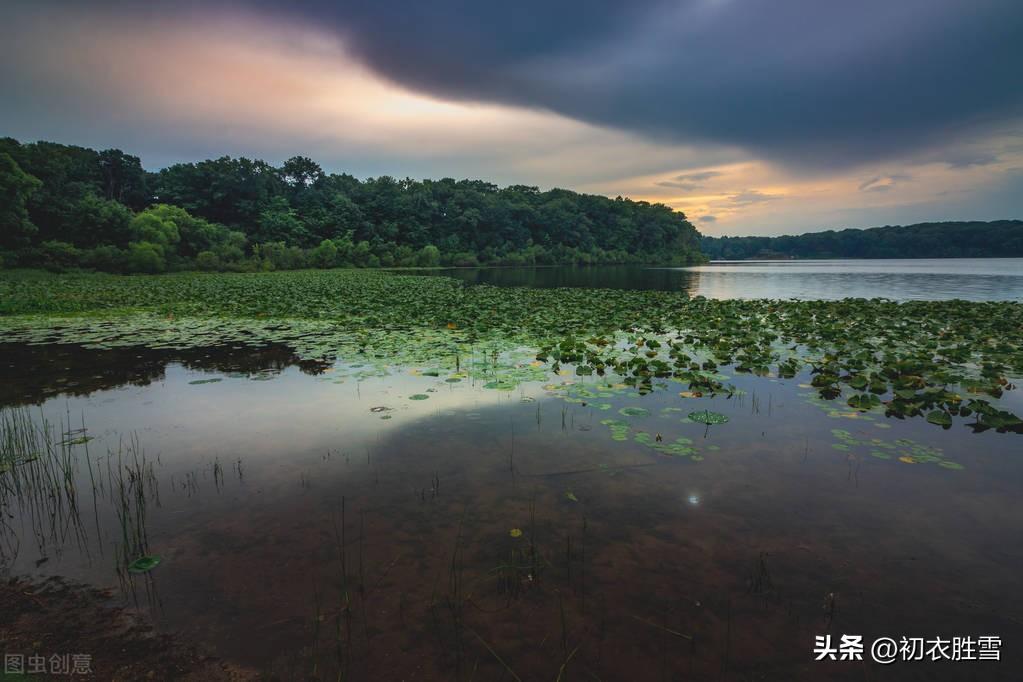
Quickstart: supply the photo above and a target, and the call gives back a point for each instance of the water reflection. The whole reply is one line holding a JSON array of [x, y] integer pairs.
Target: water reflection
[[590, 277], [977, 279], [973, 279], [35, 373], [295, 523]]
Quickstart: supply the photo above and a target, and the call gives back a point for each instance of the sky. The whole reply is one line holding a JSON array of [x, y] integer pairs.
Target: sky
[[751, 116]]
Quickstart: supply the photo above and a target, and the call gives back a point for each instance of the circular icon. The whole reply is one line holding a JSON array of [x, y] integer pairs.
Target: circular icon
[[884, 650]]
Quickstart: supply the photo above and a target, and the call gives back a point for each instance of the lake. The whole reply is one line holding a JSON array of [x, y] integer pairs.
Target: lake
[[972, 279], [489, 516]]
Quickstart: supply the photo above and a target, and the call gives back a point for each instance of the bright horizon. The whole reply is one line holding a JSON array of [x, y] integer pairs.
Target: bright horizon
[[752, 120]]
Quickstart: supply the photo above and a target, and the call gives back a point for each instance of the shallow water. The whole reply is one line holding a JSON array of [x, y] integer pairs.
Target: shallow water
[[973, 279], [276, 489]]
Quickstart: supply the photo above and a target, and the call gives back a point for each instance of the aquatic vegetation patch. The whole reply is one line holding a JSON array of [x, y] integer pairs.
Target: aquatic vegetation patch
[[679, 447], [942, 361], [708, 417], [904, 450], [144, 564], [619, 429]]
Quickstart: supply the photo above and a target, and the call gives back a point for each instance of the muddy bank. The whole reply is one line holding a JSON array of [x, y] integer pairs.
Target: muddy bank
[[86, 631]]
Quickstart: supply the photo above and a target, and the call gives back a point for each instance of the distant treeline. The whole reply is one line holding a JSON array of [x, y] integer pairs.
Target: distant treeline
[[999, 238], [65, 207]]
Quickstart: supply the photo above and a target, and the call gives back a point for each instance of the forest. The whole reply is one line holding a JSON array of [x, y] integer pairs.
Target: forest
[[1000, 238], [67, 207]]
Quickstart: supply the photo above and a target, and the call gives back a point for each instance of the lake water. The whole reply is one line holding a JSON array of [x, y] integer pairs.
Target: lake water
[[972, 279], [394, 522]]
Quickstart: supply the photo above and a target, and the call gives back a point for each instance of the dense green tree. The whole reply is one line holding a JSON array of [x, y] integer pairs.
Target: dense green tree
[[246, 214], [324, 255], [124, 179], [278, 222], [232, 192], [146, 257], [922, 240], [57, 255], [93, 220], [156, 226], [300, 172], [16, 186], [428, 257], [194, 234]]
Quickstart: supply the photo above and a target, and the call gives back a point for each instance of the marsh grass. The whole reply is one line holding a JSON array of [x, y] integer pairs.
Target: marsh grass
[[43, 487], [37, 477]]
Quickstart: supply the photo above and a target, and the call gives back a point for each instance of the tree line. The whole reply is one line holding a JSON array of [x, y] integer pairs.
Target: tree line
[[999, 238], [64, 207]]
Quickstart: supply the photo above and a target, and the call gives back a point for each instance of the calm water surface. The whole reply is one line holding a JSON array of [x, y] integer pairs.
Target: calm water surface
[[974, 279], [300, 524], [317, 520]]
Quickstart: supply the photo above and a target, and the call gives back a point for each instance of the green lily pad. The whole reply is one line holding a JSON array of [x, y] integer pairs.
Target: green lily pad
[[144, 564], [633, 412], [708, 417]]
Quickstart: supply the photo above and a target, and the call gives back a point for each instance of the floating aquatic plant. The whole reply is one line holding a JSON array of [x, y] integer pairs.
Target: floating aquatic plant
[[708, 417], [908, 359], [144, 564], [904, 450]]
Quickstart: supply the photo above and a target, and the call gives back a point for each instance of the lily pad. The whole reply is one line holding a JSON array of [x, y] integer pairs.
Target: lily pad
[[144, 564], [708, 417], [633, 412]]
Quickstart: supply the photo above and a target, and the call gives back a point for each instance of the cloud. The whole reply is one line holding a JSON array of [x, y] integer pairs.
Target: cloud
[[688, 182], [963, 160], [806, 83], [825, 105], [684, 186], [178, 89], [751, 196], [882, 183], [698, 177]]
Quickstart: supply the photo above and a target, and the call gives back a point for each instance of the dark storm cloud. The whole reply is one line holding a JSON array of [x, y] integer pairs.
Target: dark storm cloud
[[805, 82]]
